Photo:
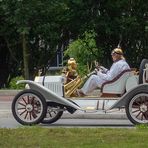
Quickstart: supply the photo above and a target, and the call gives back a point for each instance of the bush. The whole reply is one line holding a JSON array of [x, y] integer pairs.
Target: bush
[[13, 85], [84, 50]]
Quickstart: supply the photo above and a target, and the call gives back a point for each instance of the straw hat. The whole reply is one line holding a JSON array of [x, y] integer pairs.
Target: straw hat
[[117, 51]]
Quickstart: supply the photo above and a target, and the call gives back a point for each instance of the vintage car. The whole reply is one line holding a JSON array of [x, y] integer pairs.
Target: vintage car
[[47, 97]]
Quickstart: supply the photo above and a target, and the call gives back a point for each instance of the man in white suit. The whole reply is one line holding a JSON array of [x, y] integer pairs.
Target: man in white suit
[[103, 75]]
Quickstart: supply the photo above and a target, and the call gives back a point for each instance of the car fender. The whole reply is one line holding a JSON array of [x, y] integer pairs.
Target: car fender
[[123, 100], [48, 94]]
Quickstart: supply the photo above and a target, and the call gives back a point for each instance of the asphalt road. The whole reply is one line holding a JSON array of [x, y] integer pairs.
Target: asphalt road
[[69, 121], [73, 123]]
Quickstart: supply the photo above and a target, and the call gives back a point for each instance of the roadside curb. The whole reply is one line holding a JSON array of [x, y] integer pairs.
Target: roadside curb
[[9, 92]]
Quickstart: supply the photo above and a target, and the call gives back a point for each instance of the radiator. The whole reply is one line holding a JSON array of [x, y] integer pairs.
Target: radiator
[[54, 83]]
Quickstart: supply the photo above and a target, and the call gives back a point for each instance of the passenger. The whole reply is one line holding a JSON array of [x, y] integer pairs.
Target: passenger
[[71, 70], [104, 75]]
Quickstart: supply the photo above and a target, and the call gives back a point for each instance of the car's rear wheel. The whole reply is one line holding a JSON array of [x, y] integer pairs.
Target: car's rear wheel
[[54, 112], [137, 107]]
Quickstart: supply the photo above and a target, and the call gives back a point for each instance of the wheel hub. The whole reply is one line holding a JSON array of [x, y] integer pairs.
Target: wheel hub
[[29, 107], [143, 108]]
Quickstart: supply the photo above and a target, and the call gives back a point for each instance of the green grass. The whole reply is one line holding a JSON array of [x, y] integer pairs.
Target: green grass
[[38, 137]]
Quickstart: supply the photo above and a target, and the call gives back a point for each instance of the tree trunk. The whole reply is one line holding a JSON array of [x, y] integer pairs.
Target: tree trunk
[[25, 57], [4, 63]]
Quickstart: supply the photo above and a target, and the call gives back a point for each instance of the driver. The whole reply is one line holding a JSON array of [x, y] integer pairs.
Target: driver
[[103, 75]]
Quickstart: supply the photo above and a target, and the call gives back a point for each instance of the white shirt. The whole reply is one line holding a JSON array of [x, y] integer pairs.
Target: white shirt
[[95, 81], [116, 69]]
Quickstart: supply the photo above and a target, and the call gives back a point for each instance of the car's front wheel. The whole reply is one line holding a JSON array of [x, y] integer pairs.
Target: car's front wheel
[[29, 107]]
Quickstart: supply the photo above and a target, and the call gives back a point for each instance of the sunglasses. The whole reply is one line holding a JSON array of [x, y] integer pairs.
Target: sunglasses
[[113, 53]]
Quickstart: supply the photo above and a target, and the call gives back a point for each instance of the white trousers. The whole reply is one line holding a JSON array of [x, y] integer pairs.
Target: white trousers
[[92, 83]]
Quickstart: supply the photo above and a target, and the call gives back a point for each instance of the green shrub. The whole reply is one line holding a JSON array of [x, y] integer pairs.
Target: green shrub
[[84, 50], [13, 85]]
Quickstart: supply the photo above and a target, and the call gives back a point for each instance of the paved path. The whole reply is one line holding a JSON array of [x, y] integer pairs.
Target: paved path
[[6, 97], [78, 119]]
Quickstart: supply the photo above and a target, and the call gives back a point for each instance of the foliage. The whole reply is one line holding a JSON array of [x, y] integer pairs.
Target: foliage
[[85, 51], [13, 85], [50, 25]]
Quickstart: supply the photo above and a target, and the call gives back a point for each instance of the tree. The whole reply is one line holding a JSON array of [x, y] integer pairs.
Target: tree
[[85, 51], [41, 28], [33, 32]]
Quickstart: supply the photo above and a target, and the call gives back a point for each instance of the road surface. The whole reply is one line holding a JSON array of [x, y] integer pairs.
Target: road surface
[[7, 120]]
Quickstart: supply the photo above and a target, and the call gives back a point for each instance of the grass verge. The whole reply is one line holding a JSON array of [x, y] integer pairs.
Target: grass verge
[[38, 137]]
